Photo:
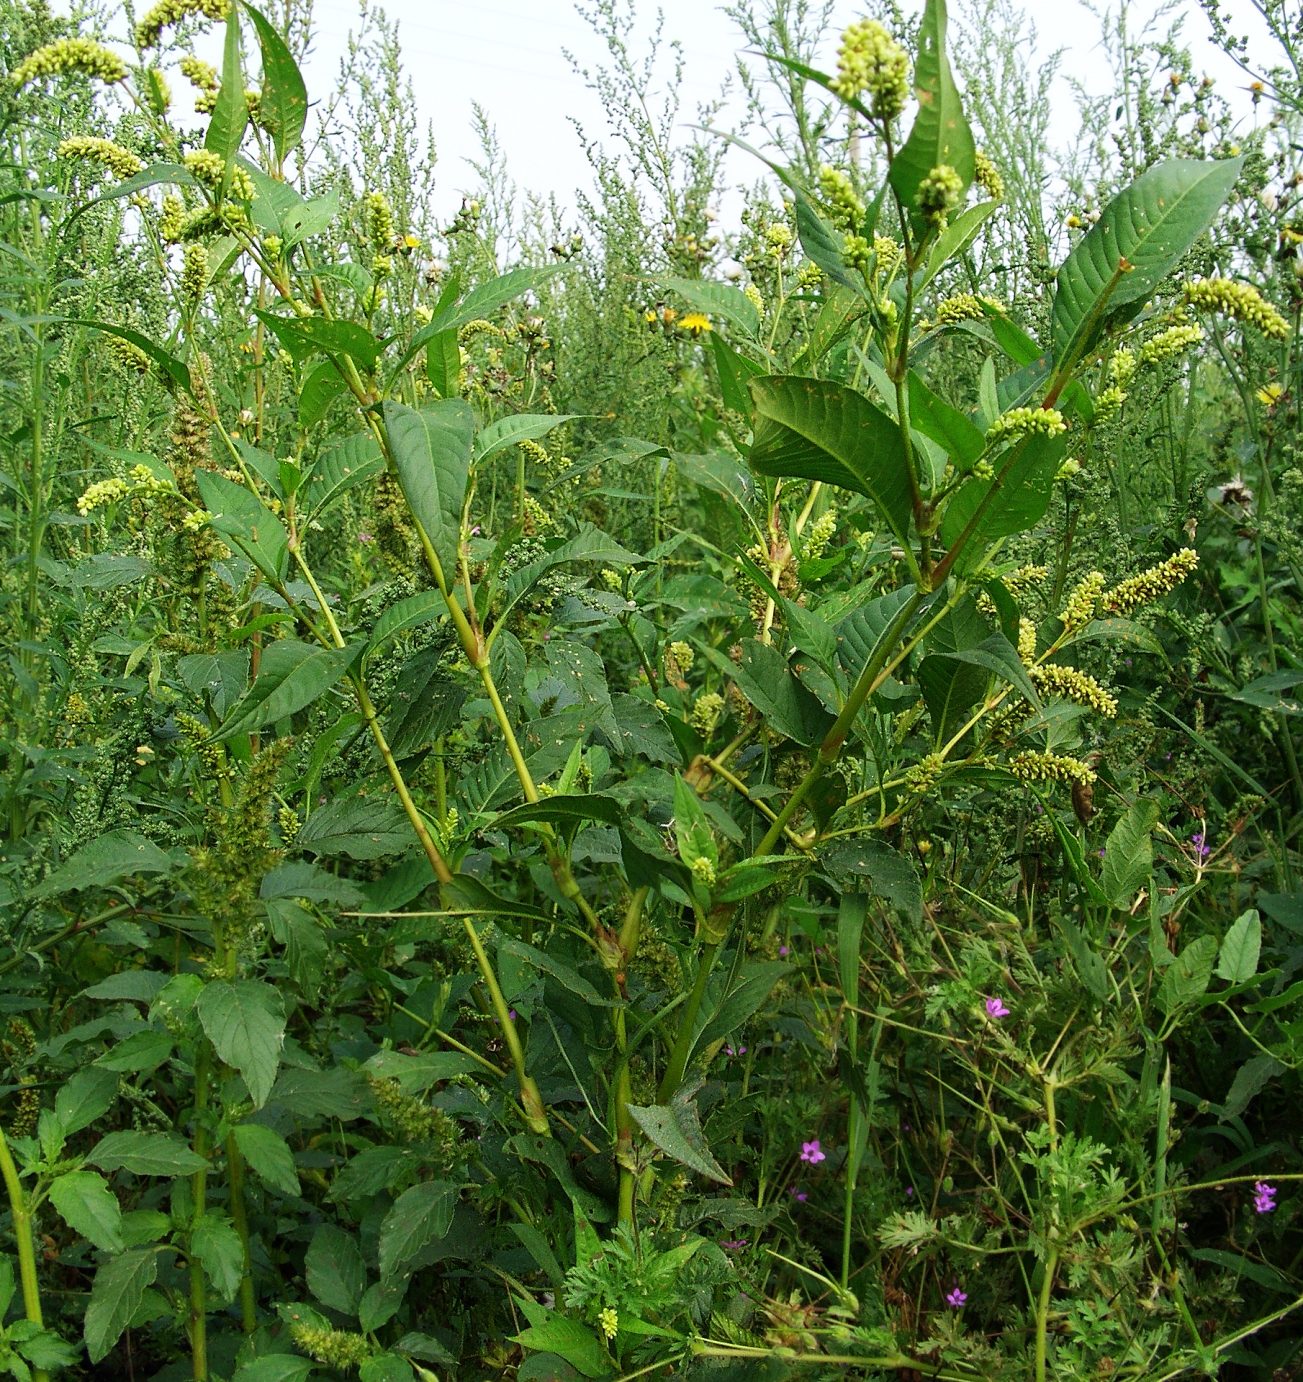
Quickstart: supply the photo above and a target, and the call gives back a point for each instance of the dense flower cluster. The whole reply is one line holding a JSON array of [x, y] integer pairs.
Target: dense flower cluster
[[120, 162], [962, 307], [1152, 584], [335, 1348], [168, 12], [941, 190], [1167, 345], [987, 176], [1073, 685], [66, 56], [209, 169], [1082, 603], [870, 62], [1050, 767], [846, 210], [1241, 301], [1026, 422]]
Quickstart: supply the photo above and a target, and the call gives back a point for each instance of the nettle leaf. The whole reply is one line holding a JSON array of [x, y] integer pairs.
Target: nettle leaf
[[940, 133], [214, 1241], [419, 1216], [1146, 228], [245, 1021], [118, 1289], [675, 1129], [269, 1155], [335, 1271], [246, 523], [291, 676], [361, 827], [146, 1154], [89, 1207], [432, 451], [819, 430], [283, 103], [1237, 962], [1129, 854], [108, 859]]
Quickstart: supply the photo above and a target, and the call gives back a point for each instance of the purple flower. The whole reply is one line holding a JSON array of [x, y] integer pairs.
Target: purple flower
[[995, 1008], [734, 1244], [511, 1013], [812, 1152], [909, 1192], [1264, 1197], [799, 1195], [1101, 852], [1201, 847], [782, 951], [735, 1050], [957, 1299]]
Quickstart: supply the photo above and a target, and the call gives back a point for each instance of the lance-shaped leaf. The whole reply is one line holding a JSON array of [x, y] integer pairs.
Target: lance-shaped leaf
[[1125, 255], [291, 676], [230, 115], [245, 1021], [675, 1130], [819, 430], [283, 103], [432, 453], [246, 523], [940, 134]]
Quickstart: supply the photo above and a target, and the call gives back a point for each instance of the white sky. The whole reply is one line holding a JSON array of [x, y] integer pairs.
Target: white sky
[[507, 55]]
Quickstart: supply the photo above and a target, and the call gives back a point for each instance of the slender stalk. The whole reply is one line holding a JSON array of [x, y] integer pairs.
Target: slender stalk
[[198, 1321], [20, 1209], [240, 1219]]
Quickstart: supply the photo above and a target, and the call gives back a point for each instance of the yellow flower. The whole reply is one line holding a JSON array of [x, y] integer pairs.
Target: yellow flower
[[694, 323], [1269, 395]]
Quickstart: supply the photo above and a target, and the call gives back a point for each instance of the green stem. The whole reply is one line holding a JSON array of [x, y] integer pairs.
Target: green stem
[[22, 1217], [240, 1218], [628, 943], [673, 1076], [198, 1324], [1043, 1313]]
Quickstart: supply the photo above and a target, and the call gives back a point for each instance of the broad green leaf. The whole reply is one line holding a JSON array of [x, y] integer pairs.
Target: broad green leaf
[[819, 430], [408, 613], [564, 808], [507, 431], [307, 336], [230, 115], [283, 103], [1136, 242], [85, 1098], [720, 300], [588, 545], [569, 1340], [565, 975], [419, 1216], [443, 362], [335, 1271], [940, 133], [321, 388], [426, 703], [269, 1155], [432, 451], [825, 247], [42, 1348], [742, 999], [1238, 961], [108, 859], [735, 372], [385, 1367], [116, 1294], [341, 467], [952, 686], [887, 872], [946, 425], [1129, 854], [248, 525], [692, 832], [140, 1053], [312, 217], [89, 1207], [274, 1367], [361, 827], [214, 1241], [1250, 1080], [675, 1130], [146, 1154], [172, 368], [245, 1021], [291, 676], [954, 240], [1187, 977], [1274, 691]]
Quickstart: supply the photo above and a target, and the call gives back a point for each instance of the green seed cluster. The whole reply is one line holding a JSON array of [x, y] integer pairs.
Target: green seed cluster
[[1026, 422], [962, 307], [1241, 301], [707, 710], [1152, 584], [171, 223], [379, 222], [987, 176], [66, 56], [101, 494], [1082, 603], [332, 1348], [858, 254], [870, 62], [1108, 403], [846, 209], [122, 163], [194, 276], [156, 90], [209, 169], [1167, 345], [168, 12], [925, 774], [822, 531], [703, 871], [1026, 641], [941, 190], [127, 354], [1022, 578], [1050, 767], [1073, 685]]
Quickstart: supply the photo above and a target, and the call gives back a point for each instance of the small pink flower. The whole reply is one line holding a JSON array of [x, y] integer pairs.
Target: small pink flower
[[365, 537], [735, 1050], [812, 1152], [1264, 1197], [799, 1195], [995, 1008], [734, 1244], [957, 1299]]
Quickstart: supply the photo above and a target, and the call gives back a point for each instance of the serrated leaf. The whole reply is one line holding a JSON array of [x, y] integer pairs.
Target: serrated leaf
[[361, 827], [820, 430], [432, 449], [283, 100], [146, 1154], [418, 1217], [1237, 962], [89, 1207], [85, 1098], [117, 855], [214, 1241], [335, 1271], [269, 1155], [116, 1294], [1148, 227], [1129, 854], [291, 676], [245, 1021], [675, 1130]]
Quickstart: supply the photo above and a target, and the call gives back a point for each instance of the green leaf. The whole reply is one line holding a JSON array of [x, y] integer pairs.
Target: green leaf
[[118, 1289], [140, 1053], [1275, 691], [952, 685], [146, 1154], [245, 1021], [269, 1155], [274, 1367], [954, 240], [1129, 854], [1238, 961], [1188, 976], [45, 1349], [1147, 227], [108, 859], [692, 833], [719, 300], [214, 1241], [568, 977], [6, 1285], [321, 388], [419, 1216], [292, 675], [247, 524], [735, 372], [568, 809], [432, 453], [84, 1099], [443, 363], [889, 874], [1250, 1080], [571, 1341], [306, 336], [675, 1129], [940, 134], [962, 440], [89, 1207], [507, 431], [361, 827], [335, 1271], [283, 104], [766, 680], [230, 114], [819, 430], [824, 246], [589, 544], [172, 368], [742, 999], [342, 467]]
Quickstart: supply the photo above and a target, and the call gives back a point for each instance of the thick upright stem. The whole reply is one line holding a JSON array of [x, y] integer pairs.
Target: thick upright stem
[[22, 1217]]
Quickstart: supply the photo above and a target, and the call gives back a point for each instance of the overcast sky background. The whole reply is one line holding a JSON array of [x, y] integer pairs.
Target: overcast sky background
[[508, 55]]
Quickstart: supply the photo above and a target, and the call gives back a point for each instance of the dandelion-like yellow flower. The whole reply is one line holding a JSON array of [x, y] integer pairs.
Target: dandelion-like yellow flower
[[1269, 395], [694, 323], [68, 56], [1241, 301]]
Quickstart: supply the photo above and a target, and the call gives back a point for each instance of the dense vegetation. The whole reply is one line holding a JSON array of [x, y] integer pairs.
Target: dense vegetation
[[601, 794]]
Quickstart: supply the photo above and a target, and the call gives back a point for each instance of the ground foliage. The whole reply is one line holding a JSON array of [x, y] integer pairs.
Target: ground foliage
[[592, 794]]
